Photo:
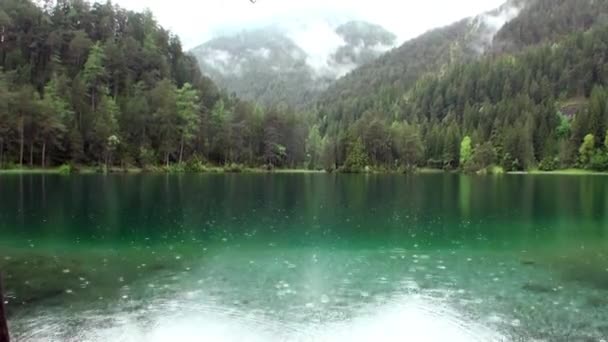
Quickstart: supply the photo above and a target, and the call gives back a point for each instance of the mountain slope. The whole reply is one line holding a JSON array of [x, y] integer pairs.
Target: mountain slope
[[262, 65], [549, 20], [267, 65], [510, 28]]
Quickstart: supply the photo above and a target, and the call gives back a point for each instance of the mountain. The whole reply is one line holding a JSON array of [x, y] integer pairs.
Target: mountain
[[391, 75], [522, 86], [364, 43], [271, 66], [510, 28], [548, 21]]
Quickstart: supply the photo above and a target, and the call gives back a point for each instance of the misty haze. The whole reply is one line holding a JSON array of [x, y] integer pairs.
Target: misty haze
[[270, 170]]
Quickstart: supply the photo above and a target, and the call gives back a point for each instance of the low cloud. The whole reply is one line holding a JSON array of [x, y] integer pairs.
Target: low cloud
[[262, 53], [320, 41], [314, 32], [490, 23], [199, 21], [223, 62]]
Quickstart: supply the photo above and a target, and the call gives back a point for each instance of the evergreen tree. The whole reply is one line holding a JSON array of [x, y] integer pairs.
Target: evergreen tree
[[586, 150], [466, 150], [356, 159]]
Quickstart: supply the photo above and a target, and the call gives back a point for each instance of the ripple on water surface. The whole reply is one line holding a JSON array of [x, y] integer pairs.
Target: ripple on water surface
[[410, 318]]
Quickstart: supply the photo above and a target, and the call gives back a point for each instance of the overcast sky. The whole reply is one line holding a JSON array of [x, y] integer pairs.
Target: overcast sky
[[197, 21]]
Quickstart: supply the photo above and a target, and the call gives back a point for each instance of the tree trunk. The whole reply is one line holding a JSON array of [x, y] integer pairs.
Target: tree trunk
[[1, 152], [21, 142], [93, 100], [167, 159], [3, 322], [115, 88], [31, 154], [43, 156], [181, 150]]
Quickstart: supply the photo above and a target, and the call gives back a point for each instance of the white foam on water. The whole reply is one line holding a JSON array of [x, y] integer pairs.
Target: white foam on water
[[418, 320], [407, 319]]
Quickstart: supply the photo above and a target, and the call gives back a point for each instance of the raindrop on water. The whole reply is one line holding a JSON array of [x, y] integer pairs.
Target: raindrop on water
[[324, 299]]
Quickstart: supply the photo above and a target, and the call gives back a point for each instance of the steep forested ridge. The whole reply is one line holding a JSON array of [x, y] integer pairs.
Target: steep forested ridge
[[548, 21], [381, 82], [415, 105], [528, 23], [96, 84]]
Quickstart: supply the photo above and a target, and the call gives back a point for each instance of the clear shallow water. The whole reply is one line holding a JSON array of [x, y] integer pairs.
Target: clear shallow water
[[305, 257]]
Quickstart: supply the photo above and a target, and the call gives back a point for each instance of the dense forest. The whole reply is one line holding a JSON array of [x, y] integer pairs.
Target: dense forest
[[94, 84]]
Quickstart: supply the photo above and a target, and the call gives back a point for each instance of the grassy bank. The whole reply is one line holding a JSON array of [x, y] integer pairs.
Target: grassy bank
[[568, 172], [239, 169], [155, 169]]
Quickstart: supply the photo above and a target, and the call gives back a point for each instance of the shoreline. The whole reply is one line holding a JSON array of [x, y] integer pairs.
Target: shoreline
[[153, 170], [221, 170]]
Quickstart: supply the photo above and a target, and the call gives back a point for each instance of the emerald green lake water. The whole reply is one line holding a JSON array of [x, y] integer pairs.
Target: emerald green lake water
[[305, 257]]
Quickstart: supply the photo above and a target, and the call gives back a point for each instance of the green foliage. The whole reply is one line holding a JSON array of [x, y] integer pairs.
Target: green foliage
[[195, 165], [586, 150], [496, 170], [356, 159], [565, 127], [483, 157], [188, 109], [599, 161], [234, 168], [65, 169], [408, 144], [509, 163], [328, 155], [451, 146], [466, 150], [175, 168], [314, 148], [549, 164]]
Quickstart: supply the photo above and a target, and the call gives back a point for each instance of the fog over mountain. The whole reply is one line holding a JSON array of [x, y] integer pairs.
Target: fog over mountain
[[278, 64], [197, 22], [325, 31]]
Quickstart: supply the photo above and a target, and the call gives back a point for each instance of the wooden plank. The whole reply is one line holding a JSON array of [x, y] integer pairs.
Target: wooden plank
[[4, 337]]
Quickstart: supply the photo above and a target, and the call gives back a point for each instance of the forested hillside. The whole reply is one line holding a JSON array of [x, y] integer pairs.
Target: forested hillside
[[96, 84], [527, 23], [416, 105], [547, 21]]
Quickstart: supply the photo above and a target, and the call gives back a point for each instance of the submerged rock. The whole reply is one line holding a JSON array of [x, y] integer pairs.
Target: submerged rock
[[588, 274], [537, 288], [528, 262], [597, 301]]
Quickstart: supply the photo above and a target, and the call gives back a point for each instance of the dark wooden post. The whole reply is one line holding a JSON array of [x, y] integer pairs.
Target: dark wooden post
[[3, 323]]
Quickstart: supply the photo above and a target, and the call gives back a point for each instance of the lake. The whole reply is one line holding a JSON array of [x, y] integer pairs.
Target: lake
[[305, 257]]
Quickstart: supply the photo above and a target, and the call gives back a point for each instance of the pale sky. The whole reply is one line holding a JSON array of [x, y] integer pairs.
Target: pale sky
[[196, 21]]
